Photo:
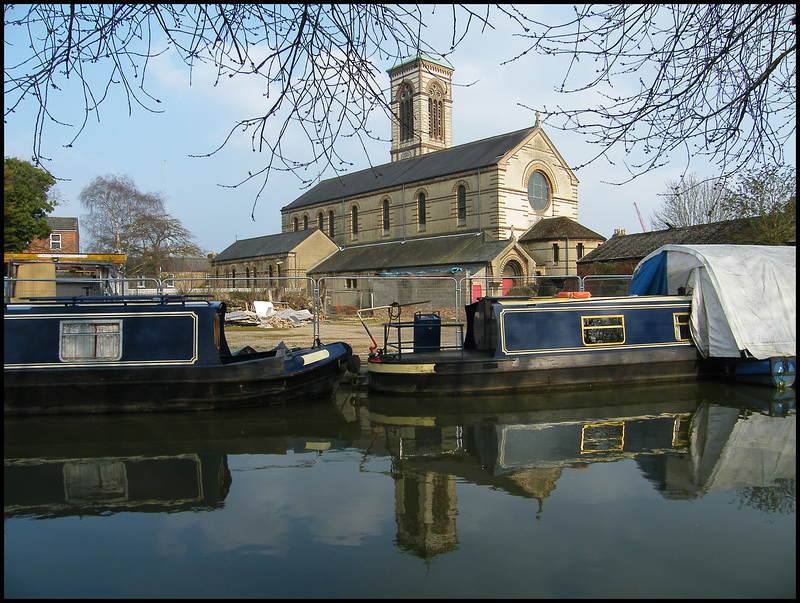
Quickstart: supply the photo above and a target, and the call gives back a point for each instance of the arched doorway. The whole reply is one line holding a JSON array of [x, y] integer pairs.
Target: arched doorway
[[511, 270]]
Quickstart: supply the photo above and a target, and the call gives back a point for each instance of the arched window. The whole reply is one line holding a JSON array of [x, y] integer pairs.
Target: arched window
[[355, 220], [407, 112], [331, 224], [247, 276], [305, 222], [462, 204], [233, 278], [436, 113], [421, 211], [321, 221], [295, 224], [271, 274], [539, 191], [386, 216]]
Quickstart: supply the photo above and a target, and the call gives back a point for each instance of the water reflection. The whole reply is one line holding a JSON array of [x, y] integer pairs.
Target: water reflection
[[687, 440]]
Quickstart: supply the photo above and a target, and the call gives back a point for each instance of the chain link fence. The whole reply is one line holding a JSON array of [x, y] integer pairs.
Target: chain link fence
[[352, 309]]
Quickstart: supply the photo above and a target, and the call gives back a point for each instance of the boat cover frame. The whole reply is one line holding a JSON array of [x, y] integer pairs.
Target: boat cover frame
[[744, 297]]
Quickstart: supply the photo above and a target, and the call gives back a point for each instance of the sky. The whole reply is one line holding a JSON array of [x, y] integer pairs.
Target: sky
[[155, 150]]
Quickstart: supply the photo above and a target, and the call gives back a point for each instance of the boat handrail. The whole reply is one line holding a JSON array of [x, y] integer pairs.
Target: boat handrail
[[75, 300], [415, 346]]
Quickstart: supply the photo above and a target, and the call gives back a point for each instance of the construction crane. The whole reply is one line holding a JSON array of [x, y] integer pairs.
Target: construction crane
[[638, 213]]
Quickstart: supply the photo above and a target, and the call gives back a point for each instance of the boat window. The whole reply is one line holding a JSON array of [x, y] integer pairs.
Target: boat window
[[90, 340], [681, 321], [603, 437], [603, 330]]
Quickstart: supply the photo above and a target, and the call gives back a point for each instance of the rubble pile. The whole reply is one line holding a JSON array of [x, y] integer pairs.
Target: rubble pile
[[266, 317]]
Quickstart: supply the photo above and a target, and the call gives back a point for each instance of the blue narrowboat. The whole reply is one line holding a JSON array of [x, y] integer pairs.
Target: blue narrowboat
[[148, 353], [517, 344]]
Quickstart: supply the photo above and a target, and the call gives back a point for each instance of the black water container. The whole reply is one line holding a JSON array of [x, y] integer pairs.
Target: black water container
[[427, 332]]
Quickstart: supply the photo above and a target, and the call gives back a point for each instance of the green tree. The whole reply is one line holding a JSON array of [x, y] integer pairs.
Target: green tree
[[768, 195], [25, 204]]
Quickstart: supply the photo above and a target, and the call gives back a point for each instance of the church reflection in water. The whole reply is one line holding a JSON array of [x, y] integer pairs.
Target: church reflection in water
[[686, 440]]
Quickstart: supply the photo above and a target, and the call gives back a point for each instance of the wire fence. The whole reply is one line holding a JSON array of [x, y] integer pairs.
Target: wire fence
[[354, 308]]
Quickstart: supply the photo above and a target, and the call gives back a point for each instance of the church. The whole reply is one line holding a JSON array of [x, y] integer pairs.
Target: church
[[505, 206]]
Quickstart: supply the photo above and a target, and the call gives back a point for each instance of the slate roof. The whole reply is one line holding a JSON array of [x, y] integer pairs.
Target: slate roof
[[469, 251], [446, 162], [264, 246], [637, 246], [558, 228], [62, 224]]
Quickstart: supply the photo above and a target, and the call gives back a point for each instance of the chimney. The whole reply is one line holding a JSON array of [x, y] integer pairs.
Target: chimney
[[619, 232]]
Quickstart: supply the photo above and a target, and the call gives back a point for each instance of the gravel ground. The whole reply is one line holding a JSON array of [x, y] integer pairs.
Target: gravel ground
[[261, 339]]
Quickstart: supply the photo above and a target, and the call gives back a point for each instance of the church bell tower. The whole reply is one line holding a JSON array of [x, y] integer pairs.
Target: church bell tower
[[422, 106]]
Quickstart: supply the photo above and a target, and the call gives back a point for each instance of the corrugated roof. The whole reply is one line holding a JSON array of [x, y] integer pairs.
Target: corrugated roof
[[267, 245], [444, 252], [558, 228], [454, 160], [633, 246]]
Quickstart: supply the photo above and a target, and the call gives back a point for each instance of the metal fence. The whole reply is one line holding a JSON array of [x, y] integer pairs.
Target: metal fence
[[352, 309]]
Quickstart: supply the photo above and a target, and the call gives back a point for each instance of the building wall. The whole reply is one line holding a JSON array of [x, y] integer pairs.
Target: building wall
[[515, 211], [69, 243]]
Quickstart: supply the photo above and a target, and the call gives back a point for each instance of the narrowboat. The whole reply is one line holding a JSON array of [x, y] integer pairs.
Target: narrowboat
[[90, 354], [518, 344], [724, 311]]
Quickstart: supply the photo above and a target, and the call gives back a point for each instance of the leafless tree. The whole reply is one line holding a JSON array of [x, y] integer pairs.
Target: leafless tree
[[690, 201], [716, 80], [123, 219]]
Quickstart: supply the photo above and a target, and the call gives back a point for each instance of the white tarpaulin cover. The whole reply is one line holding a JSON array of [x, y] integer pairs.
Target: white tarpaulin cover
[[744, 297]]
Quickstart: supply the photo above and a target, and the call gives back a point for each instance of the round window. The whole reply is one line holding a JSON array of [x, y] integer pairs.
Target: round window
[[538, 192]]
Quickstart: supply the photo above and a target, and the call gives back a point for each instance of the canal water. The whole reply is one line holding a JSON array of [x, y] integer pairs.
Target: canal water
[[683, 490]]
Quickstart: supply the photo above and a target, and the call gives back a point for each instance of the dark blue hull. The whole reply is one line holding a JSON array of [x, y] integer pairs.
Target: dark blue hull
[[95, 355]]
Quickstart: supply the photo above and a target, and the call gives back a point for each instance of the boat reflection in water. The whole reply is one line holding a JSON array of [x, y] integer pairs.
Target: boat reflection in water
[[165, 462], [683, 444]]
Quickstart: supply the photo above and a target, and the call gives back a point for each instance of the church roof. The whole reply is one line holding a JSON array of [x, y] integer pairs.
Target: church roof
[[465, 157], [558, 228], [439, 254], [264, 246]]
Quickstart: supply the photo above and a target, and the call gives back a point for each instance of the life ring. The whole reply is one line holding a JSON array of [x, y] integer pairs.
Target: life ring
[[575, 294]]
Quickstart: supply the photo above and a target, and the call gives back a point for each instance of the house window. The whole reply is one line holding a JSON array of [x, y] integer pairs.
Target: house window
[[55, 241], [305, 222], [331, 224], [233, 278], [296, 225], [681, 322], [556, 253], [462, 205], [247, 276], [538, 192], [355, 221], [90, 340], [603, 330], [581, 250], [386, 216], [321, 221], [406, 113], [421, 211], [436, 113]]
